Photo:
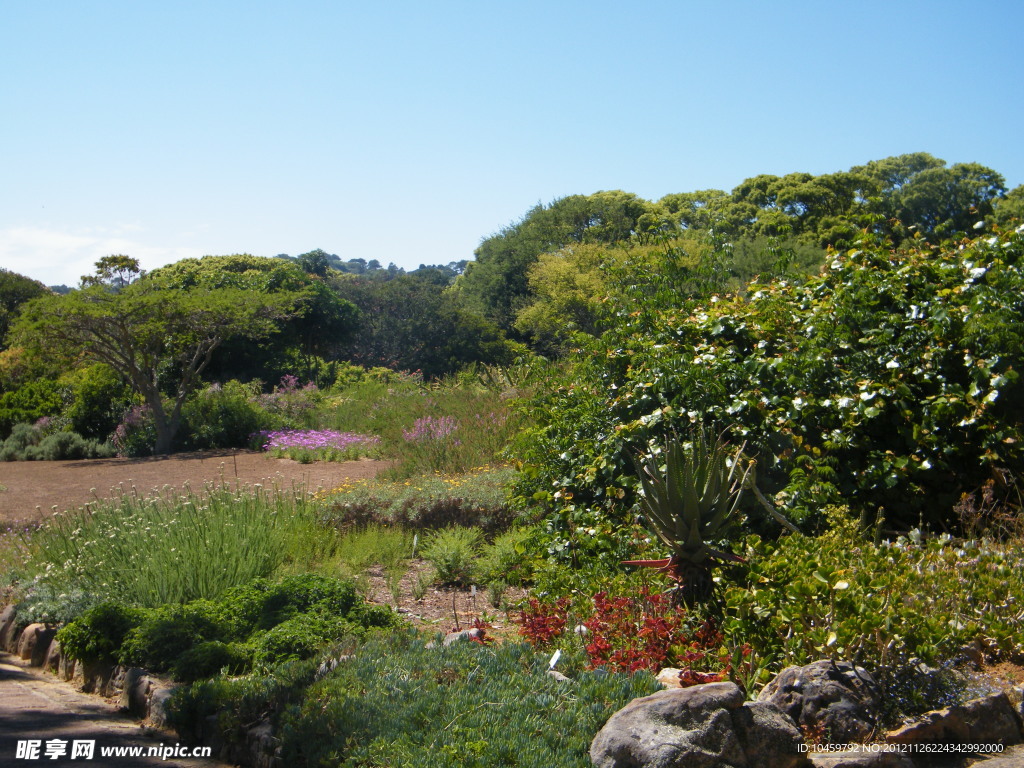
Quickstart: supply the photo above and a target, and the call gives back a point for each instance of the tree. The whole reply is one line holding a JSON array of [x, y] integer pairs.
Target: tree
[[151, 331], [319, 325], [15, 290]]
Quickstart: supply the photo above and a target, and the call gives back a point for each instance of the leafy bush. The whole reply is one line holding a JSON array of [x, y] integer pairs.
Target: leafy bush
[[169, 631], [300, 637], [97, 635], [95, 400], [211, 657], [509, 559], [453, 552], [223, 416], [307, 593], [261, 621], [891, 380], [31, 401]]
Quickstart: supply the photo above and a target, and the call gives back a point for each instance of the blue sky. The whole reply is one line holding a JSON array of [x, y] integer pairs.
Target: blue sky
[[408, 131]]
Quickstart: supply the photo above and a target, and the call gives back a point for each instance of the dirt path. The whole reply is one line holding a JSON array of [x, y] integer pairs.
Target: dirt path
[[36, 707], [30, 489]]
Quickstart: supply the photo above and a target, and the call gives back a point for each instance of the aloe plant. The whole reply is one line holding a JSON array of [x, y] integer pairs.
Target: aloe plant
[[690, 493]]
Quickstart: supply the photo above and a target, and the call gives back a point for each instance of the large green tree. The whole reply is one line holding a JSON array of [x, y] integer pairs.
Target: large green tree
[[15, 290], [318, 328], [151, 330]]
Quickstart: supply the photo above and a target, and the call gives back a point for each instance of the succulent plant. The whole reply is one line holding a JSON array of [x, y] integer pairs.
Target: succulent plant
[[690, 493]]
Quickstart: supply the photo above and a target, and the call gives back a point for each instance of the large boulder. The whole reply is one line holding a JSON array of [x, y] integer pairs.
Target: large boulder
[[833, 701], [705, 726], [987, 720]]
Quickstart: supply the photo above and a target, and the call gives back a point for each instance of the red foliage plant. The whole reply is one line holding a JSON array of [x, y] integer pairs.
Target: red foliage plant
[[629, 634]]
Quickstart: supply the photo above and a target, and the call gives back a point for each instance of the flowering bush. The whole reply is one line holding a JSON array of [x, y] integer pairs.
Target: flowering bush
[[136, 434], [290, 403], [305, 445]]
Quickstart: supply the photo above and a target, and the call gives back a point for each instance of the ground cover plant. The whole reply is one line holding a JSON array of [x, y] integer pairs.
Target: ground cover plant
[[394, 701], [308, 445], [475, 498]]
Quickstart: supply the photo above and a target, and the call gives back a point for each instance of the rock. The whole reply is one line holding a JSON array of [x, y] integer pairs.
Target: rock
[[135, 689], [763, 730], [940, 726], [8, 619], [861, 758], [34, 643], [54, 658], [466, 634], [669, 677], [992, 720], [66, 671], [988, 720], [834, 699], [705, 726], [158, 698], [96, 676]]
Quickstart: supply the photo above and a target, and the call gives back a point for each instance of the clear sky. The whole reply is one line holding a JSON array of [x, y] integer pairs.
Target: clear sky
[[408, 131]]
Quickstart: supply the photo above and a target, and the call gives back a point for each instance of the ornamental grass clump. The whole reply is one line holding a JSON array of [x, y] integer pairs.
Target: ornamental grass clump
[[170, 548], [307, 445]]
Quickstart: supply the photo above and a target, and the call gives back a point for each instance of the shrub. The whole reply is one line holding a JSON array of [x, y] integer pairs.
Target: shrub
[[69, 445], [891, 380], [32, 400], [98, 633], [509, 559], [28, 442], [300, 637], [453, 552], [223, 416], [212, 657], [169, 631], [95, 399], [307, 593]]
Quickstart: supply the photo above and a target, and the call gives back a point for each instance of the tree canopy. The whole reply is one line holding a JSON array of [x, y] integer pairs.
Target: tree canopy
[[154, 331]]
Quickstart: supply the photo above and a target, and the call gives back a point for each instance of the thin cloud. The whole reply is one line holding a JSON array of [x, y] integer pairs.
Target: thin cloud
[[55, 257]]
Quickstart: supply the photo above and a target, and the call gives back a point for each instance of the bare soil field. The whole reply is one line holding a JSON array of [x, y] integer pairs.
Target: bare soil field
[[30, 489]]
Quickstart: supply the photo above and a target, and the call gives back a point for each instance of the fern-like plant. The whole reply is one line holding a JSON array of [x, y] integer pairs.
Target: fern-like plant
[[690, 493]]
